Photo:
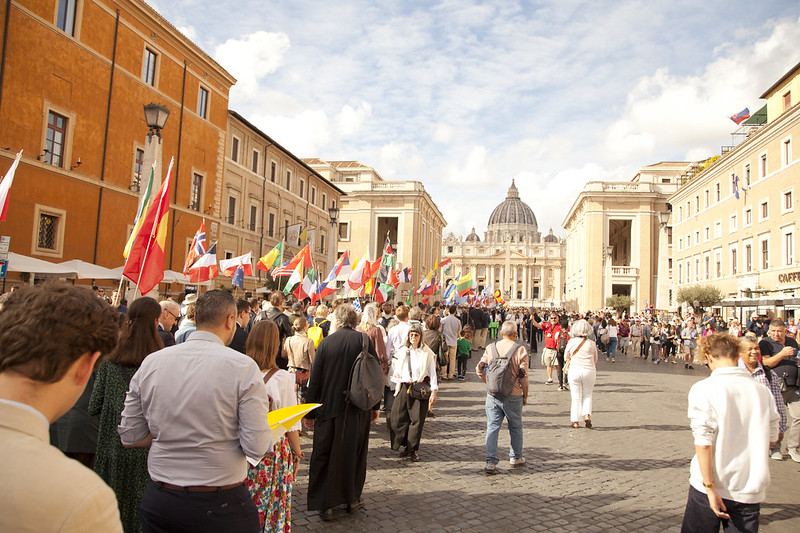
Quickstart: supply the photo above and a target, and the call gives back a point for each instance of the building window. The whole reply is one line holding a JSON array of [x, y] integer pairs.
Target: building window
[[765, 254], [149, 67], [65, 20], [680, 213], [688, 240], [786, 152], [747, 175], [733, 224], [697, 203], [788, 248], [705, 198], [324, 201], [273, 168], [697, 270], [56, 139], [764, 210], [717, 229], [271, 227], [234, 149], [302, 187], [254, 168], [344, 231], [718, 264], [788, 203], [197, 188], [707, 233], [680, 273], [138, 167], [762, 166], [202, 102], [748, 257], [669, 235], [734, 262], [680, 245], [322, 243], [48, 232], [717, 192], [707, 261], [313, 195], [231, 210], [253, 217], [288, 180], [748, 217], [688, 209], [697, 237], [787, 100]]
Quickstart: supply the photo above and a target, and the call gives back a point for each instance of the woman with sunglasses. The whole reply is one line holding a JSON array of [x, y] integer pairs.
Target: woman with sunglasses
[[416, 363]]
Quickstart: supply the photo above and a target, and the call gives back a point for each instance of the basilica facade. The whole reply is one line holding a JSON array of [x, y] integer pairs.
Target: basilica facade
[[512, 257]]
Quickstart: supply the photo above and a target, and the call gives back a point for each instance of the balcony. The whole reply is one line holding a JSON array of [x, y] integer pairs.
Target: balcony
[[624, 272]]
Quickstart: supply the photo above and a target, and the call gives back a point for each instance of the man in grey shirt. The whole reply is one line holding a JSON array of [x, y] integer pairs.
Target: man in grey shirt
[[451, 327], [202, 408]]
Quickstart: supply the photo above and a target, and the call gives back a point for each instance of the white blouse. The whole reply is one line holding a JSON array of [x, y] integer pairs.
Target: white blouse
[[585, 358], [423, 363], [280, 388]]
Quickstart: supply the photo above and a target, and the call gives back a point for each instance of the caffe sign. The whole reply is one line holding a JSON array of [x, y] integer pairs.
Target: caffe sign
[[789, 278]]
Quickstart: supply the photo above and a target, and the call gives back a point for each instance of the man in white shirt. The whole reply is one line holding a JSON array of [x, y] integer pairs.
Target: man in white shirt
[[732, 432], [202, 408]]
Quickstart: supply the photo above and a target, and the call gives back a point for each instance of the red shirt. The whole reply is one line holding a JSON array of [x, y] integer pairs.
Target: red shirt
[[549, 329]]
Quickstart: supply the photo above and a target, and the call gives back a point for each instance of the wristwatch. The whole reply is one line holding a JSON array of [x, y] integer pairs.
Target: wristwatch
[[708, 485]]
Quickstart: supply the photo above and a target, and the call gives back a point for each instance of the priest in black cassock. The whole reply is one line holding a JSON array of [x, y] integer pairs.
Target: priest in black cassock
[[338, 466]]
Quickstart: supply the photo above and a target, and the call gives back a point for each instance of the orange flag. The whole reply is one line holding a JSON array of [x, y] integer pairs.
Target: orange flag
[[145, 264]]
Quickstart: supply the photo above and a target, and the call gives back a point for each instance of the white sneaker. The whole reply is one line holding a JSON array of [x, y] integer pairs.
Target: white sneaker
[[794, 454], [517, 461], [777, 455], [548, 382], [491, 468]]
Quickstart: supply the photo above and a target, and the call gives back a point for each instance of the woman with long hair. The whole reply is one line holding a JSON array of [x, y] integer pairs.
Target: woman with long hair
[[415, 363], [581, 357], [124, 469], [270, 480]]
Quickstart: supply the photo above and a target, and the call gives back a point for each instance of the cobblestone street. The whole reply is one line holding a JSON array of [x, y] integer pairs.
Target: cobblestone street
[[629, 473]]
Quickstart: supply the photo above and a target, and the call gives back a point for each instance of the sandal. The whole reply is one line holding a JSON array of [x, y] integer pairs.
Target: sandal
[[588, 423], [576, 425]]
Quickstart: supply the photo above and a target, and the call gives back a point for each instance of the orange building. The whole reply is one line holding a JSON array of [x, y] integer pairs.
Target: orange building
[[75, 77]]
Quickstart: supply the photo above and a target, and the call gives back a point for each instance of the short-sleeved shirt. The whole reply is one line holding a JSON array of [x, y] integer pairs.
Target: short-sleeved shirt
[[519, 360], [550, 331], [787, 365], [463, 347]]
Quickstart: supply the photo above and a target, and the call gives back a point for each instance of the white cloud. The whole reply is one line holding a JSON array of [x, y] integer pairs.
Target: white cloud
[[399, 160], [473, 172], [250, 58], [304, 134], [189, 31], [350, 120], [442, 133]]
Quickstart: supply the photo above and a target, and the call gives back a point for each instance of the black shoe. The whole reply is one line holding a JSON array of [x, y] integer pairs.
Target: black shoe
[[355, 506], [431, 415], [691, 367], [686, 365], [414, 456], [326, 515]]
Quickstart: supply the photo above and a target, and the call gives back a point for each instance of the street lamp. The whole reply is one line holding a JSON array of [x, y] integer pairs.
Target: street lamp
[[663, 218], [155, 116], [333, 244]]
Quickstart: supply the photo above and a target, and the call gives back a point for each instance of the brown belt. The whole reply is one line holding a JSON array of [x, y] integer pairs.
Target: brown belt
[[197, 488]]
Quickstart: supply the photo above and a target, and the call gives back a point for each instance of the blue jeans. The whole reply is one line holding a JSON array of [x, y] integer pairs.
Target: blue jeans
[[611, 349], [510, 408]]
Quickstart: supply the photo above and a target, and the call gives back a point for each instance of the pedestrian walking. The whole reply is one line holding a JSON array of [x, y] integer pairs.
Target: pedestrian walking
[[581, 360]]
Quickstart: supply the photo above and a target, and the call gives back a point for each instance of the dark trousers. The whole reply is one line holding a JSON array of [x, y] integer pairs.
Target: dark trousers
[[560, 368], [461, 365], [408, 419], [699, 518], [175, 511]]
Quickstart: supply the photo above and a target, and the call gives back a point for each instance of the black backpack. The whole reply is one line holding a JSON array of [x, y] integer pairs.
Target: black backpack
[[562, 340], [365, 386]]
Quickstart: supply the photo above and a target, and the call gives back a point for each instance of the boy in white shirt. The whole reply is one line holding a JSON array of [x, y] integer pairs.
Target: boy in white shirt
[[734, 421]]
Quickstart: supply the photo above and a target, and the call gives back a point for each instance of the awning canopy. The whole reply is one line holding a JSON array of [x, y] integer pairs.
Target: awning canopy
[[23, 263], [84, 270]]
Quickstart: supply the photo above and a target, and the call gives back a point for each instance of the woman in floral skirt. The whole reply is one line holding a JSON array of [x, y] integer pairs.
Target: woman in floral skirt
[[270, 478]]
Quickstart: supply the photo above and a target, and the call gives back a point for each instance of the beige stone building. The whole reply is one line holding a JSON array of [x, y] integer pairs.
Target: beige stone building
[[373, 207], [512, 256], [735, 223], [266, 189], [619, 240]]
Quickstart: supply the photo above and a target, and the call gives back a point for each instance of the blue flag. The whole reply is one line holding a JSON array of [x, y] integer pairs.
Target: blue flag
[[238, 277], [357, 305]]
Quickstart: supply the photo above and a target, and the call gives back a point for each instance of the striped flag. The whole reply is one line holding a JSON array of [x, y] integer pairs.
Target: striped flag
[[205, 268], [405, 275], [295, 278], [273, 258], [328, 285], [5, 186], [302, 258], [229, 266], [144, 205], [198, 246]]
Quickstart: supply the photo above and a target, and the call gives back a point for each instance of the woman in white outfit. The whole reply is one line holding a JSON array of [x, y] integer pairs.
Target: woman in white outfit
[[581, 357]]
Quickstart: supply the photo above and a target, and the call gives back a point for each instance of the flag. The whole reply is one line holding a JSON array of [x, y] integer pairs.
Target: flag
[[293, 234], [736, 186], [741, 116], [198, 246], [308, 288], [393, 280], [446, 265], [145, 264], [312, 233], [357, 305], [449, 293], [464, 284], [387, 262], [204, 268], [372, 268], [382, 292], [328, 285], [369, 286], [273, 258], [405, 275], [408, 299], [144, 205], [238, 277], [357, 275], [229, 266], [294, 279], [304, 235], [5, 186], [302, 258]]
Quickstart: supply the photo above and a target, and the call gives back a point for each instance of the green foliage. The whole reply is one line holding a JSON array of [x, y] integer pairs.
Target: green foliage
[[701, 297], [619, 302]]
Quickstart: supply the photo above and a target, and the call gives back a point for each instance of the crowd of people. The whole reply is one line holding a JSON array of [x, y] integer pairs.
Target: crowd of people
[[167, 401]]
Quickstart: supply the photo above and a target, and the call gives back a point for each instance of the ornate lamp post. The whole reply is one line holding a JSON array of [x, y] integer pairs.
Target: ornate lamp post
[[333, 242], [155, 116]]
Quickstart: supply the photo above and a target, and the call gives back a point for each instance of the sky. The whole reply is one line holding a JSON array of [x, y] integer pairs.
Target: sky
[[465, 95]]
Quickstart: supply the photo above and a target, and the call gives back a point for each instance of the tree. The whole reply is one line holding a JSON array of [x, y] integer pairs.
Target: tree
[[700, 297], [620, 303]]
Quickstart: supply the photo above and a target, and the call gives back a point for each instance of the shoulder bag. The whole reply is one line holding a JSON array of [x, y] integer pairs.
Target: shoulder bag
[[419, 390], [566, 366]]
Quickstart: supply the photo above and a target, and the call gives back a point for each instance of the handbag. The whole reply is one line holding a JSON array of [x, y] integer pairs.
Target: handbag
[[301, 378], [419, 390]]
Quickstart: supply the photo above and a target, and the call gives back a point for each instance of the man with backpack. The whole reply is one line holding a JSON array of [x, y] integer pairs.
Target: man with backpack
[[504, 369]]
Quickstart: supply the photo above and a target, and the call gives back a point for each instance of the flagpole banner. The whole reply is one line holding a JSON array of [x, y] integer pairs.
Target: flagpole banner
[[5, 186], [293, 234]]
